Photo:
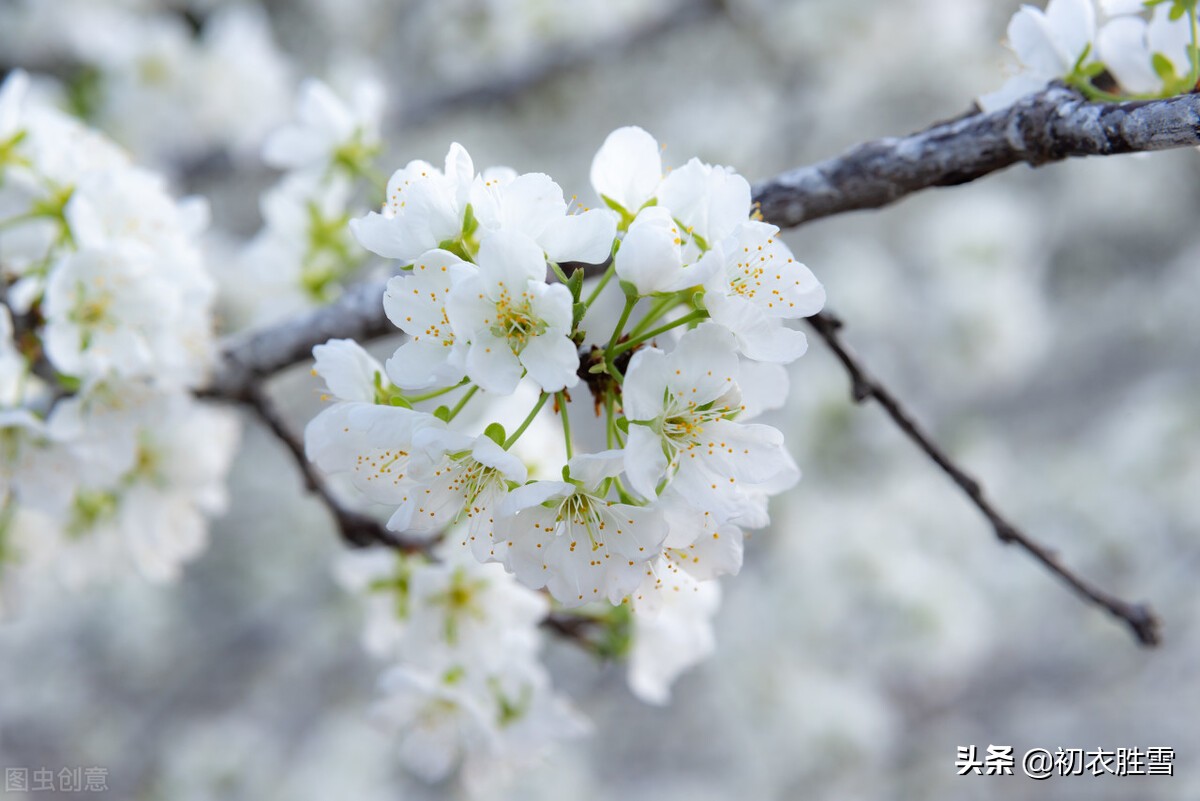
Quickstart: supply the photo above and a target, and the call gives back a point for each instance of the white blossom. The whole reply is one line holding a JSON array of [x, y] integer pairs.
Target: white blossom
[[424, 208], [465, 482], [672, 630], [627, 169], [328, 132], [759, 286], [416, 303], [680, 407], [513, 321], [567, 537], [1128, 45]]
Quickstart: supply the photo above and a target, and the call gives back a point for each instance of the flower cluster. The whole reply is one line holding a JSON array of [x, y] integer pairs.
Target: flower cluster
[[1142, 50], [304, 253], [652, 328], [142, 73], [466, 687], [104, 328]]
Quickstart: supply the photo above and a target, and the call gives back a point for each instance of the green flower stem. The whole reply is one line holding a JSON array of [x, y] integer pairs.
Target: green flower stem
[[625, 495], [566, 422], [558, 272], [458, 407], [684, 320], [516, 435], [437, 393], [660, 307], [610, 351], [609, 423], [608, 274], [1194, 75]]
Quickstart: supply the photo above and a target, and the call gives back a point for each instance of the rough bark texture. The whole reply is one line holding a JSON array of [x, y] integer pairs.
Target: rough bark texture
[[1049, 126], [248, 359]]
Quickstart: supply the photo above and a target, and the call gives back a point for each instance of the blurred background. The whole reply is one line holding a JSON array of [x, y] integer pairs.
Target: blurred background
[[1042, 323]]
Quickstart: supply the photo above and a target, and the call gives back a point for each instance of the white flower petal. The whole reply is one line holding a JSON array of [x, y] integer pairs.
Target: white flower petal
[[628, 168], [552, 361], [586, 237]]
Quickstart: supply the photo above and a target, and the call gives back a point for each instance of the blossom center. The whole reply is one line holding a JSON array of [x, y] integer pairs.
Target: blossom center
[[515, 320]]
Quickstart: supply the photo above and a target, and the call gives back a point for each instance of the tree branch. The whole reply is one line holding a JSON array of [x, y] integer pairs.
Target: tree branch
[[247, 359], [503, 88], [1140, 618], [1051, 125], [1048, 126], [357, 529]]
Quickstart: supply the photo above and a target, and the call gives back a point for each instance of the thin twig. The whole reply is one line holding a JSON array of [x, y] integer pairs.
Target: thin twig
[[357, 529], [1140, 618]]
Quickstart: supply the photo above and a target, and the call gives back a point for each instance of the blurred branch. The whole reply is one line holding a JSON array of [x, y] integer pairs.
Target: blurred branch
[[505, 86], [1051, 125], [1141, 619], [247, 359], [357, 529]]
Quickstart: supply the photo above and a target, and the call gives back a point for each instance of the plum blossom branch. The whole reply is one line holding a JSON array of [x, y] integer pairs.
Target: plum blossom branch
[[1051, 125], [357, 529], [1048, 126], [1140, 618], [247, 359]]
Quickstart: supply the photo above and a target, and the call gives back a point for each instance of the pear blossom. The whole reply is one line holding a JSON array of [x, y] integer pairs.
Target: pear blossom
[[465, 687], [1048, 44], [708, 201], [327, 131], [680, 407], [475, 616], [424, 207], [512, 320], [349, 372], [697, 543], [372, 444], [439, 722], [465, 482], [672, 631], [567, 537], [379, 578], [759, 286], [656, 256], [627, 169], [416, 303], [646, 525], [301, 256], [533, 204], [1128, 45], [107, 311]]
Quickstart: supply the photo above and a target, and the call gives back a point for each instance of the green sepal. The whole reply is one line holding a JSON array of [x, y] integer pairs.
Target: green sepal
[[575, 283], [470, 224], [495, 432], [442, 413], [1163, 68]]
